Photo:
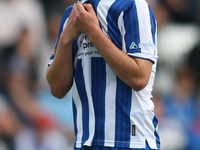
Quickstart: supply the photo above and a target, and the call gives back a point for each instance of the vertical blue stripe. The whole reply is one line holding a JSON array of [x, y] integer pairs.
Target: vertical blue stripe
[[112, 22], [155, 123], [113, 148], [74, 117], [132, 27], [123, 108], [98, 66], [80, 83], [94, 3], [153, 24], [81, 86], [74, 49], [124, 92]]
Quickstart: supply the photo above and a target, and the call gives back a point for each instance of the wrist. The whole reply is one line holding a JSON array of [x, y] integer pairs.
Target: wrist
[[95, 34], [65, 41]]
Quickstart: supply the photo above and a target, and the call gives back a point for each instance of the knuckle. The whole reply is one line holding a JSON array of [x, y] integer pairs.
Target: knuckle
[[81, 13], [75, 21]]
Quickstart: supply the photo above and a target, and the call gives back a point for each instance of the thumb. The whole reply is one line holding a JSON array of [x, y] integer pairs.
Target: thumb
[[88, 7]]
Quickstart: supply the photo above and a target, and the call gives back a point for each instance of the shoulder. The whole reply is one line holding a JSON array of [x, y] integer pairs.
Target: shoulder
[[128, 5], [65, 16], [67, 12], [138, 8], [68, 9], [136, 4]]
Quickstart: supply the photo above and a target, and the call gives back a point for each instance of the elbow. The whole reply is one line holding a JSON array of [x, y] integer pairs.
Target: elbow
[[138, 84], [58, 88], [58, 92]]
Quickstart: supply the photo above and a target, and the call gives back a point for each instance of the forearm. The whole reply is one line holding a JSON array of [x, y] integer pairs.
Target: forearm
[[21, 96], [129, 70], [60, 72]]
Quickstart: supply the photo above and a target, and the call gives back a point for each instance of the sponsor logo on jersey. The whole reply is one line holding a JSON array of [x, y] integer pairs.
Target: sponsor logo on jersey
[[141, 45], [86, 43], [87, 48], [152, 45], [54, 52], [133, 46], [81, 43]]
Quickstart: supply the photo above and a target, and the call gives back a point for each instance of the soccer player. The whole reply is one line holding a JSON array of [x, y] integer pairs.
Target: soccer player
[[107, 52]]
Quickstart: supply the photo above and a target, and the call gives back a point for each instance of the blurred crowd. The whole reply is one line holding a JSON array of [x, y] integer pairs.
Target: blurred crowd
[[32, 119]]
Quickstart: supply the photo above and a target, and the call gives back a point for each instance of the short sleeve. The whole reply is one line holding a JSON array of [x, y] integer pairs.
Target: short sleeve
[[140, 31], [62, 26]]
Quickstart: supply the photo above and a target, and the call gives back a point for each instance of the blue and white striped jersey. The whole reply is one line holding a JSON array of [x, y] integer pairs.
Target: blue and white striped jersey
[[107, 112]]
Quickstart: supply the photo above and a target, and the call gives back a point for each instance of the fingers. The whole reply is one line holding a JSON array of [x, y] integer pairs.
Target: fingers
[[71, 17], [78, 8], [84, 17], [88, 7], [71, 14]]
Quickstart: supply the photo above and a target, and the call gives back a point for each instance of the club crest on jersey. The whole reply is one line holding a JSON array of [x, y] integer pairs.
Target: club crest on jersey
[[54, 52], [80, 43], [133, 46]]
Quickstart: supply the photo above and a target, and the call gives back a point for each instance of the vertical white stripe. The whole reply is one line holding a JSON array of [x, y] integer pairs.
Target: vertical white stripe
[[144, 21], [102, 12], [110, 104], [156, 53], [80, 38], [122, 31], [83, 1], [110, 95], [86, 63], [79, 121], [137, 118], [65, 24]]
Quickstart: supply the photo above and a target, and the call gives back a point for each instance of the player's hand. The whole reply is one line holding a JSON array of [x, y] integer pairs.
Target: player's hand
[[85, 18], [71, 32]]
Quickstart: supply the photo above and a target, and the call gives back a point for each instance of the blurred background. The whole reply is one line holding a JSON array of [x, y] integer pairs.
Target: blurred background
[[32, 119]]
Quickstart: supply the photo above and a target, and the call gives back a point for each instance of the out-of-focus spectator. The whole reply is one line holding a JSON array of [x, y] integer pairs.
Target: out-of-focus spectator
[[22, 28], [180, 111], [15, 136], [52, 7], [22, 79], [194, 136], [15, 14], [161, 13], [9, 125], [52, 27], [62, 109], [23, 33], [182, 11], [182, 104], [193, 60], [28, 31]]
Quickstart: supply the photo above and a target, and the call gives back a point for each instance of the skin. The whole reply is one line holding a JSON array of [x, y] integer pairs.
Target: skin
[[134, 72]]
